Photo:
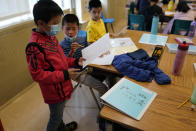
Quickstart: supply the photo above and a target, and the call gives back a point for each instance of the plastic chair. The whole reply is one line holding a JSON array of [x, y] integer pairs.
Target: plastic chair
[[180, 27], [109, 20], [79, 83], [136, 22]]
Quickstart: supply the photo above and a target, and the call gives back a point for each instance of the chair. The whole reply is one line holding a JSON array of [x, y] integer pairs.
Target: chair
[[136, 22], [131, 11], [79, 84], [180, 27], [109, 20]]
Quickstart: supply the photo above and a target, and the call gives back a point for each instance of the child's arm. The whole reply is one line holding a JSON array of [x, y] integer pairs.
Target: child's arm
[[36, 64]]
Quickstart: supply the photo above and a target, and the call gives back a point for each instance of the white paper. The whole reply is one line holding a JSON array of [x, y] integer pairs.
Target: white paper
[[116, 46], [169, 13], [117, 42], [195, 66], [172, 48], [96, 49], [105, 60], [122, 45], [122, 31]]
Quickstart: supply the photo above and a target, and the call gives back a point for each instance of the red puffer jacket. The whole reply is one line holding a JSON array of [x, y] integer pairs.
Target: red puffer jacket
[[48, 66]]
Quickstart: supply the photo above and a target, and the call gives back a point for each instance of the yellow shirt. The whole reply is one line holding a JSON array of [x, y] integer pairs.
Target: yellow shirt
[[95, 30]]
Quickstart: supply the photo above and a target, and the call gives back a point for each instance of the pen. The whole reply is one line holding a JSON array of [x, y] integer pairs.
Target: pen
[[183, 102], [80, 45]]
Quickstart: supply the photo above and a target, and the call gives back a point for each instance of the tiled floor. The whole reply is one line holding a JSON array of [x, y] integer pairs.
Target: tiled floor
[[29, 113]]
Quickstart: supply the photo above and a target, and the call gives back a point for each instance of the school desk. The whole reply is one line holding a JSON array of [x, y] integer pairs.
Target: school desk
[[162, 113]]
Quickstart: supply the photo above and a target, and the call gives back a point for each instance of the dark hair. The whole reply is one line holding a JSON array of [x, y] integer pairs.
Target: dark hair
[[70, 18], [182, 7], [154, 1], [94, 4], [45, 10]]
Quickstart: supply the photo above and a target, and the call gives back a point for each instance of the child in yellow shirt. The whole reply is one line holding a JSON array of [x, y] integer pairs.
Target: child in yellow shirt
[[95, 28]]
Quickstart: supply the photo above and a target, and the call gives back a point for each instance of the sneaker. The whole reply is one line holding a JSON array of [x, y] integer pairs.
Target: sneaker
[[68, 127]]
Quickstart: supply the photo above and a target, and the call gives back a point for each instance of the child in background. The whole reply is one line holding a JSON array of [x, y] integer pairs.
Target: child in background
[[141, 5], [183, 12], [72, 46], [151, 11], [72, 43], [48, 65], [95, 28]]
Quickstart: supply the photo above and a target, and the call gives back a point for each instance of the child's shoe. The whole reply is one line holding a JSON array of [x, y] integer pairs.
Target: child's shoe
[[68, 127]]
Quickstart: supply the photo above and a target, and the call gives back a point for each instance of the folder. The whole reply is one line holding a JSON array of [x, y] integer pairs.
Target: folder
[[129, 98]]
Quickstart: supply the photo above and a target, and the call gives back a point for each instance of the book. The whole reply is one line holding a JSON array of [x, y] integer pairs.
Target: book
[[181, 40], [172, 48], [129, 98], [153, 39]]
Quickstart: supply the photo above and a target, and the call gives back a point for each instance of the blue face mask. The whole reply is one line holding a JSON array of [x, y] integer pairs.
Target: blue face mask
[[54, 29], [70, 39]]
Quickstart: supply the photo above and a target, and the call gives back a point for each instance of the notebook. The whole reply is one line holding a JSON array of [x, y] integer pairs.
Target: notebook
[[172, 48], [129, 98], [153, 39], [181, 40]]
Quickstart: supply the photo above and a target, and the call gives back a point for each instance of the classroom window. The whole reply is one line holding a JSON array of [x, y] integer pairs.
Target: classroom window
[[12, 8], [64, 4], [17, 11]]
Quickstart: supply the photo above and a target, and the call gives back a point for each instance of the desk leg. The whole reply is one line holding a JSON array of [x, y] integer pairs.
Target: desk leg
[[102, 123], [117, 127]]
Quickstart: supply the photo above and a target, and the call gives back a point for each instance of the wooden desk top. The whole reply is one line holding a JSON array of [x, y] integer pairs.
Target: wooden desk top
[[135, 35], [163, 113]]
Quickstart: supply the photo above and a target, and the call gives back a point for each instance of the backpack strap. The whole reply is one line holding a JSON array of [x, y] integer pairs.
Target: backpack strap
[[41, 49]]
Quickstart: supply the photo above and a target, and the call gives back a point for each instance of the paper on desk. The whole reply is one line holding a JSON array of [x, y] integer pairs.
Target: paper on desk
[[105, 60], [96, 49], [153, 39], [172, 48], [192, 6], [116, 42], [122, 45], [169, 13], [194, 66], [122, 31]]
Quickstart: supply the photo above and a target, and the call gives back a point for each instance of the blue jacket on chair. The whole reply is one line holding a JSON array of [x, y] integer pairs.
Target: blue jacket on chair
[[140, 70]]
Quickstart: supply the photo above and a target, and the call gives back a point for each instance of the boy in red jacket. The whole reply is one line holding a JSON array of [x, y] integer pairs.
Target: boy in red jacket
[[48, 65]]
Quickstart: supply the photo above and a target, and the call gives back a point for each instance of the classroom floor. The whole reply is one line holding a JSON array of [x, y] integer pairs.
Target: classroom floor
[[29, 113]]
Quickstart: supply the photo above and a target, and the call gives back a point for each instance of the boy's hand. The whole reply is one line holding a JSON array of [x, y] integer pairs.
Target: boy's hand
[[80, 61], [75, 46], [73, 72]]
